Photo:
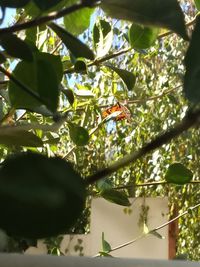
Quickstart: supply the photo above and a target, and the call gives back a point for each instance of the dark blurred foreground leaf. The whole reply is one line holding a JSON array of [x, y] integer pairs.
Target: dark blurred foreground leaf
[[192, 64], [10, 136], [14, 3], [16, 47], [167, 14], [39, 196]]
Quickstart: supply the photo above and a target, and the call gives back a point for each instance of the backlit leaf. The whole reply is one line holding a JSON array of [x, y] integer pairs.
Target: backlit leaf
[[78, 134], [141, 37], [78, 21]]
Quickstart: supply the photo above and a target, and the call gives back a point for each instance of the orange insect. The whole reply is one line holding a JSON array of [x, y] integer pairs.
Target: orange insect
[[124, 112]]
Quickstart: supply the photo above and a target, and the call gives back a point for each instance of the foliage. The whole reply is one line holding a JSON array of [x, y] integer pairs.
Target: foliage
[[56, 81]]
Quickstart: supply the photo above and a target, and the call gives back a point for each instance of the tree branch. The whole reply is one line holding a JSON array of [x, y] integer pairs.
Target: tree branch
[[152, 231], [97, 62], [152, 184], [192, 118], [42, 20]]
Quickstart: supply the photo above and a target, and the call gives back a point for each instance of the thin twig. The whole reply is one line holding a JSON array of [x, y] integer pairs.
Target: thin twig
[[152, 184], [191, 119], [97, 62], [151, 231]]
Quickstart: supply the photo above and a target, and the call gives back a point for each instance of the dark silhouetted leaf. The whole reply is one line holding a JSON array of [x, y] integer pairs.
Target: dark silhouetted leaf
[[78, 134], [141, 37], [177, 173], [76, 47], [3, 13], [15, 47], [9, 136], [14, 3], [39, 196], [116, 197], [80, 66], [167, 14], [70, 95], [192, 64], [2, 58], [46, 4], [78, 21], [128, 77]]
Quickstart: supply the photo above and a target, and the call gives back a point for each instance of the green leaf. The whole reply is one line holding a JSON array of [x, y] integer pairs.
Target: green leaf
[[128, 77], [102, 37], [116, 197], [70, 95], [104, 254], [141, 37], [42, 76], [9, 136], [104, 184], [15, 47], [39, 196], [197, 4], [78, 134], [177, 173], [14, 3], [78, 21], [76, 47], [106, 247], [46, 4], [80, 66], [156, 234], [167, 14], [192, 63]]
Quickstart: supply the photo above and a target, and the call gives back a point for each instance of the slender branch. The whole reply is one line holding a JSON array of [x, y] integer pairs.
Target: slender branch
[[191, 119], [152, 231], [22, 86], [152, 184], [41, 20], [97, 62]]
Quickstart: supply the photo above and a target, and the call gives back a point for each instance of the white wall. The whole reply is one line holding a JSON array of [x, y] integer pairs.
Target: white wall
[[119, 228]]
